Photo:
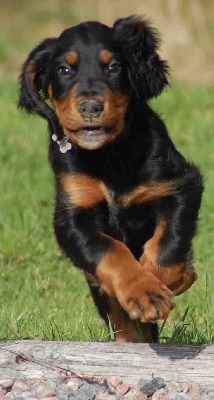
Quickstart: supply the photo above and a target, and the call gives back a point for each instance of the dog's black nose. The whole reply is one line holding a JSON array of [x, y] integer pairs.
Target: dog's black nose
[[90, 106]]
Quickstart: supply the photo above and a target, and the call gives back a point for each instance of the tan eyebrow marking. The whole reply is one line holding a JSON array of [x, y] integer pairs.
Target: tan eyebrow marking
[[105, 56], [71, 57]]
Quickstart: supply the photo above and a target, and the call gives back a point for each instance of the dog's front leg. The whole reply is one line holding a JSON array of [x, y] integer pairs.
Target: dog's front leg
[[168, 254], [141, 294]]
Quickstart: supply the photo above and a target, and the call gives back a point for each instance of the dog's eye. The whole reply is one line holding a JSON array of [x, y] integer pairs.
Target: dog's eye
[[65, 71], [114, 68]]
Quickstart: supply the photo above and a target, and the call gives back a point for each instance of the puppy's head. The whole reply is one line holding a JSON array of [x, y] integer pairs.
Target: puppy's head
[[90, 74]]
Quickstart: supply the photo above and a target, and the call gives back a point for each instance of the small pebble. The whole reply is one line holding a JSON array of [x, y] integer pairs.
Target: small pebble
[[194, 387], [75, 386], [172, 394], [160, 394], [31, 382], [150, 387], [101, 396], [88, 391], [122, 389], [43, 391], [142, 382], [7, 384], [142, 397], [53, 383], [114, 381], [63, 391], [133, 394], [175, 385], [46, 393], [20, 385]]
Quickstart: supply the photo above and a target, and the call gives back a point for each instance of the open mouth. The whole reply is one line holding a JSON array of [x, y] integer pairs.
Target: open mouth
[[92, 137], [92, 130]]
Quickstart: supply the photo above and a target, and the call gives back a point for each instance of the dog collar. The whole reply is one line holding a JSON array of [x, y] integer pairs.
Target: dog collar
[[64, 144]]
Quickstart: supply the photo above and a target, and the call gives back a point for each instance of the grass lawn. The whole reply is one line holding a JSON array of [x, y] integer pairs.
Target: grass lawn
[[43, 296]]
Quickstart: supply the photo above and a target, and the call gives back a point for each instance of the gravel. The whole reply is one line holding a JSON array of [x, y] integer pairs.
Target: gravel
[[101, 389]]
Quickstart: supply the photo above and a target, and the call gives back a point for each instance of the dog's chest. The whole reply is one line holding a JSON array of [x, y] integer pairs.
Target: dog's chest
[[126, 215], [84, 191], [131, 222]]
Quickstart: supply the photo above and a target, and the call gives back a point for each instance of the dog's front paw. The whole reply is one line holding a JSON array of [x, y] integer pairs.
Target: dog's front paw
[[146, 298]]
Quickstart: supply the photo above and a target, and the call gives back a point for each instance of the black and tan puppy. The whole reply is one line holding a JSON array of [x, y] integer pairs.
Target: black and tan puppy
[[127, 201]]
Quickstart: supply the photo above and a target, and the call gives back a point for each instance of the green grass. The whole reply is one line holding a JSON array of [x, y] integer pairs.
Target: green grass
[[42, 296]]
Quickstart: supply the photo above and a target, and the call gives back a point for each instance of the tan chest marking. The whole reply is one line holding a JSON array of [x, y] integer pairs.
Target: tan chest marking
[[148, 192], [86, 191], [83, 190]]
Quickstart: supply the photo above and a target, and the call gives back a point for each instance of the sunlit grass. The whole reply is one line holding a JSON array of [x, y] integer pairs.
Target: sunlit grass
[[42, 296]]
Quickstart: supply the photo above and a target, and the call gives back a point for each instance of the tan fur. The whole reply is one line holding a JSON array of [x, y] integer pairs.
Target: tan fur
[[178, 278], [121, 276], [50, 91], [148, 192], [83, 190], [71, 57], [105, 56], [124, 328], [115, 107]]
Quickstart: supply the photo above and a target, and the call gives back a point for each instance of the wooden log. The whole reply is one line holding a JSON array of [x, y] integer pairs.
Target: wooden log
[[26, 359]]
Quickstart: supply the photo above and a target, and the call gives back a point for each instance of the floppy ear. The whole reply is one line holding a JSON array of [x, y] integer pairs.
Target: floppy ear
[[33, 89], [139, 42]]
